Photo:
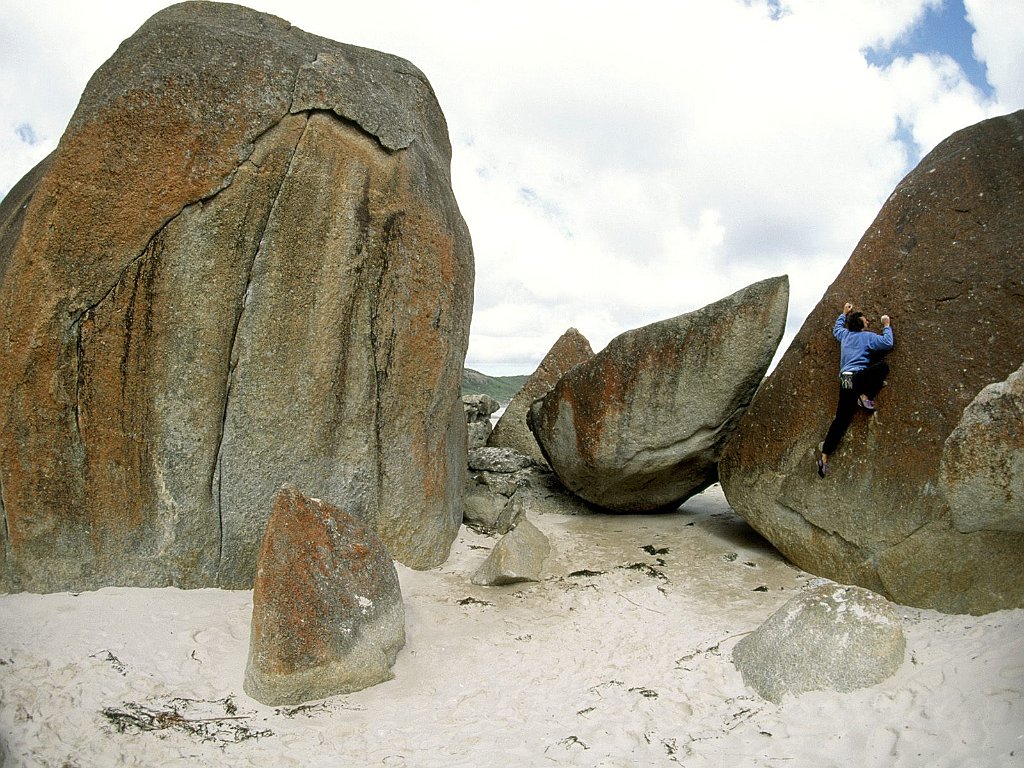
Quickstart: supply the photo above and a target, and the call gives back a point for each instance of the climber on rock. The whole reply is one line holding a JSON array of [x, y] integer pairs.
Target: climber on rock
[[861, 373]]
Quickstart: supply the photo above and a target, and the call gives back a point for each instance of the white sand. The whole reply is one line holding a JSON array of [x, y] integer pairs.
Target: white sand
[[624, 668]]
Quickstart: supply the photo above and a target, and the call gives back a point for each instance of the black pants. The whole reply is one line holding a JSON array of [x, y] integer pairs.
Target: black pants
[[867, 382]]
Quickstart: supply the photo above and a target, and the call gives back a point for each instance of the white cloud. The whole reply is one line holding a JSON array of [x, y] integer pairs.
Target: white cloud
[[931, 94], [617, 164], [999, 43]]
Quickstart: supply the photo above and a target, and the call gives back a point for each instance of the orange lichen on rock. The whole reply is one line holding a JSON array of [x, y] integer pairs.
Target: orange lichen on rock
[[327, 607]]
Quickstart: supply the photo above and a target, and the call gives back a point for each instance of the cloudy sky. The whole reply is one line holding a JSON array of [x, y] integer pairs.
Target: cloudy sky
[[620, 163]]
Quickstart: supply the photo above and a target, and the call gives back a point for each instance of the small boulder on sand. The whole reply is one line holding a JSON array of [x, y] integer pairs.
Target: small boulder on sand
[[830, 637], [327, 614], [518, 556]]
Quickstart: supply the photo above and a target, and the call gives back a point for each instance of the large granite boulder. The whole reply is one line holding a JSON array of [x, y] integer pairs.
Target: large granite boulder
[[640, 426], [241, 264], [943, 258], [512, 431], [829, 638], [981, 473], [327, 612]]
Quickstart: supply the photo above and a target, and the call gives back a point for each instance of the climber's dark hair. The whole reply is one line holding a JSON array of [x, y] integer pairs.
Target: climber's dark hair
[[855, 322]]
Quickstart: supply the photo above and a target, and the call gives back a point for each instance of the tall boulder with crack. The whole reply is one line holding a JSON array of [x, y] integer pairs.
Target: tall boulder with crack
[[898, 512], [241, 263]]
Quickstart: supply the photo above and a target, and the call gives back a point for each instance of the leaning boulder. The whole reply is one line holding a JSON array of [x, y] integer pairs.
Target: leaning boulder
[[640, 426], [828, 638], [943, 258], [981, 474], [518, 556], [511, 431], [239, 267], [327, 613]]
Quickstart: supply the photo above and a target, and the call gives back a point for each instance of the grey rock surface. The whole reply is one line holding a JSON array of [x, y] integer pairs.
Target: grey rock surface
[[494, 478], [503, 485], [502, 460], [491, 512], [518, 556], [981, 473], [478, 409], [477, 433], [829, 637]]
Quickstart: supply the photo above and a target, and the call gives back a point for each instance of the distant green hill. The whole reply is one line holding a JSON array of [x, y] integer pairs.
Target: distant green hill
[[501, 388]]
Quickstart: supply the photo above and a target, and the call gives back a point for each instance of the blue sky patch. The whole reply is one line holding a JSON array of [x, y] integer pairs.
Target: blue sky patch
[[943, 30], [26, 134]]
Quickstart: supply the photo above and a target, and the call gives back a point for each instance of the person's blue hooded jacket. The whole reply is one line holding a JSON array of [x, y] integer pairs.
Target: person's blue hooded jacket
[[856, 347]]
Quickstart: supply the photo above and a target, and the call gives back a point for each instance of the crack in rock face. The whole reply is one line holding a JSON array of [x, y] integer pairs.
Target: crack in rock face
[[241, 265]]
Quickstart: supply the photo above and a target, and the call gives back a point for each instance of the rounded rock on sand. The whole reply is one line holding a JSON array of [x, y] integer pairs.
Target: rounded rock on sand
[[830, 637]]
